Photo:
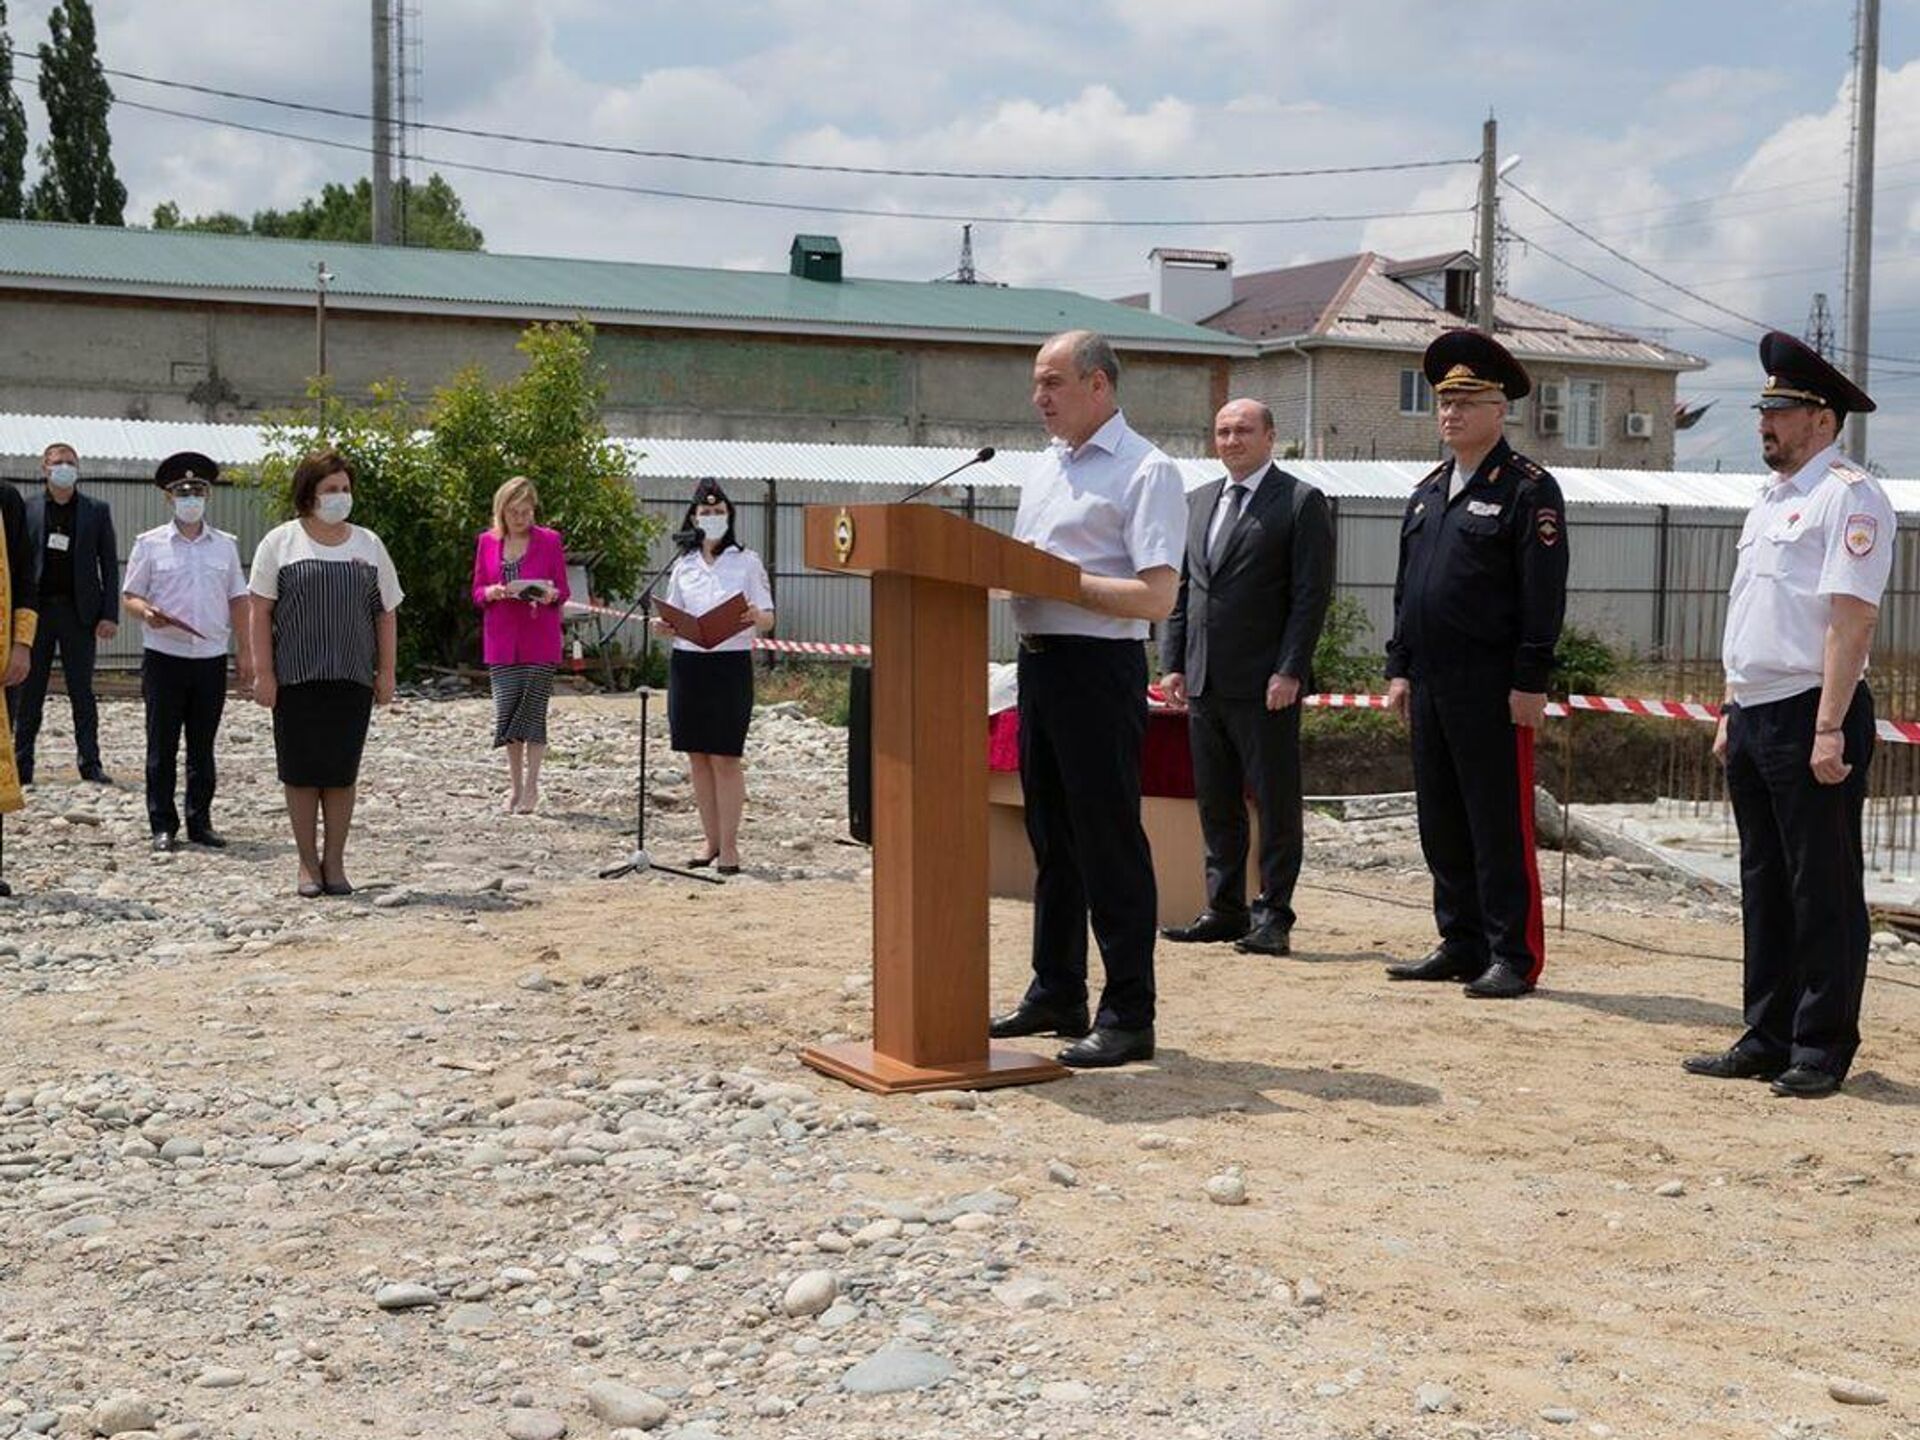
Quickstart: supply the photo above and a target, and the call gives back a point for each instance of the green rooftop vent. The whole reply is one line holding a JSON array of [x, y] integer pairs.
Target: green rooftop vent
[[815, 257]]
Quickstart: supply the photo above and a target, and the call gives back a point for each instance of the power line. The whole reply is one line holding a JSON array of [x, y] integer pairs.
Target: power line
[[656, 192], [1674, 285], [695, 157], [1598, 279]]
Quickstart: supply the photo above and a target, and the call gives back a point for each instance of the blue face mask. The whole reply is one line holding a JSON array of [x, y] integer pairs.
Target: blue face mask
[[63, 477]]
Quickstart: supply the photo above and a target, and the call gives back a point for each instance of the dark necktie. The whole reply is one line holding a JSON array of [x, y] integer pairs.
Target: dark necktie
[[1236, 497]]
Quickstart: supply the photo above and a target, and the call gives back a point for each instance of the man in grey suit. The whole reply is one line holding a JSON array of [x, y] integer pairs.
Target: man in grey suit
[[1238, 650], [76, 572]]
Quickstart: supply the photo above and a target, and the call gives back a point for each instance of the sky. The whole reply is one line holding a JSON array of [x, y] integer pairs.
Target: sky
[[1706, 141]]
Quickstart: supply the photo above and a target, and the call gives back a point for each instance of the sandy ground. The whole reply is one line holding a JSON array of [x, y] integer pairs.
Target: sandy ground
[[1470, 1187]]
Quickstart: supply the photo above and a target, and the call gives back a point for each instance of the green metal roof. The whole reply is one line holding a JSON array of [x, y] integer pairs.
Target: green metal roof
[[188, 264]]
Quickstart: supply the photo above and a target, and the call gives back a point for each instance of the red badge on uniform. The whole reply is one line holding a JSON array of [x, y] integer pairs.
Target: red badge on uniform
[[1862, 531], [1546, 525]]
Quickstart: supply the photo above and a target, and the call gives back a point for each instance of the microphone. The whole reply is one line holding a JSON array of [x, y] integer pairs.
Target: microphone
[[986, 454], [688, 539]]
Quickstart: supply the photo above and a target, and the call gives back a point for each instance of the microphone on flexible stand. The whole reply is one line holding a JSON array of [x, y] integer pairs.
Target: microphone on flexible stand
[[985, 454], [688, 539]]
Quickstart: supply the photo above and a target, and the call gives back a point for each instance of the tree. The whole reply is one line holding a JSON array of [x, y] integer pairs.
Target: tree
[[77, 180], [13, 132], [434, 217], [424, 479]]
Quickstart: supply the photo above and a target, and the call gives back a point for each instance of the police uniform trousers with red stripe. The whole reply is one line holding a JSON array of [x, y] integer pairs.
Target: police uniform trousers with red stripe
[[1473, 774]]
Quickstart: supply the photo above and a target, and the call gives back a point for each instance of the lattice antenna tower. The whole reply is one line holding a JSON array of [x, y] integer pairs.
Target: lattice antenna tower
[[1819, 331], [1502, 243], [409, 68], [965, 273]]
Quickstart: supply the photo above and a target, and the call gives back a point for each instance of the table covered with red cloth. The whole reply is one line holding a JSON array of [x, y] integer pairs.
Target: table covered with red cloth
[[1166, 765]]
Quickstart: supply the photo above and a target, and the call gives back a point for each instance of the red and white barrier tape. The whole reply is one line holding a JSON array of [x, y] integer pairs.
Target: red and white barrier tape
[[1898, 732]]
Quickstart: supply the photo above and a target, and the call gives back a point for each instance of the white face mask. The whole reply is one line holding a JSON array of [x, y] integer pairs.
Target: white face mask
[[188, 509], [334, 507], [63, 476], [711, 526]]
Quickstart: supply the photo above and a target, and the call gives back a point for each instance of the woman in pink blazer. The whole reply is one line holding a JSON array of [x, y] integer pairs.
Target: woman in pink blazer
[[520, 583]]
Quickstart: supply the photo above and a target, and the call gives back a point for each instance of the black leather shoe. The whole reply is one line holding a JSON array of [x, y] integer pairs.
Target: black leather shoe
[[1734, 1064], [1805, 1082], [163, 843], [1207, 925], [1440, 964], [1499, 981], [1030, 1018], [94, 775], [1268, 939], [1105, 1047], [208, 837]]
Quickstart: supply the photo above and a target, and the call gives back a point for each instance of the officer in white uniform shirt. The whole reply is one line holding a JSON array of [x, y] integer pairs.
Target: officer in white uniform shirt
[[185, 585], [1109, 501], [1796, 732]]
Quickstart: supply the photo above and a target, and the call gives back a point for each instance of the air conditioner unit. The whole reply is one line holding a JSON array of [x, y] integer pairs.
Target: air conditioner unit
[[1550, 394], [1639, 425], [1549, 421]]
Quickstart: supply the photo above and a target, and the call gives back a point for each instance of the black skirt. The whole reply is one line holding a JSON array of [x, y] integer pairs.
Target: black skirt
[[319, 730], [709, 700]]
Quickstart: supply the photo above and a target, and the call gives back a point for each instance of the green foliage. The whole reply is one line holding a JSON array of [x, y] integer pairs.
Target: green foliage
[[77, 182], [432, 217], [1342, 661], [425, 477], [1583, 664], [13, 132]]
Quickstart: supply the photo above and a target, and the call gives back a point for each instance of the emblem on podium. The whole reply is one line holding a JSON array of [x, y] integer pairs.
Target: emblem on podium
[[843, 536]]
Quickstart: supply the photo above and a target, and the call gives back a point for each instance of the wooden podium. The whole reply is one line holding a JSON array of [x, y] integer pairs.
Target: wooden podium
[[931, 571]]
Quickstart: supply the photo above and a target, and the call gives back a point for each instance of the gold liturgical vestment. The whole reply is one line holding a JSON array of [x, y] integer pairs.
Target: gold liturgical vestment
[[16, 628]]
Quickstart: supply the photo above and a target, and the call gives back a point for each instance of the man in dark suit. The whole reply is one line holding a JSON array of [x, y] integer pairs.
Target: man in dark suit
[[1238, 650], [76, 573]]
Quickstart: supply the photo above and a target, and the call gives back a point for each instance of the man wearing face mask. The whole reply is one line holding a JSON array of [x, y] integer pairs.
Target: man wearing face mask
[[185, 585], [76, 572]]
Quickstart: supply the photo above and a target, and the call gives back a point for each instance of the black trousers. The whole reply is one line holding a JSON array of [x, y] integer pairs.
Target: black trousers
[[187, 695], [1083, 719], [1241, 747], [1473, 776], [1803, 902], [61, 630]]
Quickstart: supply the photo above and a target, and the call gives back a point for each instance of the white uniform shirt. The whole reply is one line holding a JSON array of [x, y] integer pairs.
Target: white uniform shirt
[[696, 585], [1825, 530], [1114, 507], [1224, 506], [192, 580]]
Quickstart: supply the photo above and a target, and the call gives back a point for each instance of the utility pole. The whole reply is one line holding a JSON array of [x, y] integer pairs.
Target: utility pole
[[1489, 136], [1866, 56], [384, 230], [321, 277]]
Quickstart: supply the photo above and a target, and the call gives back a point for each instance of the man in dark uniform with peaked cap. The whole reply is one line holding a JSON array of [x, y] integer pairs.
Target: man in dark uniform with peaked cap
[[1797, 728], [1477, 606]]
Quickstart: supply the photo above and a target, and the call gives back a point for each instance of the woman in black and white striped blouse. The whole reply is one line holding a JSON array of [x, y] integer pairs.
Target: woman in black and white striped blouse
[[324, 645]]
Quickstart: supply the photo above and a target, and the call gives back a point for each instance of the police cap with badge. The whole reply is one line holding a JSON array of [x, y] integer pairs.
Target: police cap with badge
[[1467, 362], [1797, 375], [188, 469]]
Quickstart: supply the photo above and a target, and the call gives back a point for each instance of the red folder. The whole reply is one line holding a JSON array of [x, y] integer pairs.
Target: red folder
[[707, 630]]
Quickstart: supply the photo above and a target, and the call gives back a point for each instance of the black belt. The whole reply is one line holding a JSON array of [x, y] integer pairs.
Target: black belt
[[1040, 644]]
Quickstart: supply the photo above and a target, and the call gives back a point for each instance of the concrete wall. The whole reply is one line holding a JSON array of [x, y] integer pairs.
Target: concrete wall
[[175, 361], [1356, 409]]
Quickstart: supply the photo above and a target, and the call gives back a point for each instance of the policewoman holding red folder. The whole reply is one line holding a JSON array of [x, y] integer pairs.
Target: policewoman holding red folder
[[710, 687]]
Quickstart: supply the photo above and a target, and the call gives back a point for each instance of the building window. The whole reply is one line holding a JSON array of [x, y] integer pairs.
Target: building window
[[1586, 413], [1416, 396]]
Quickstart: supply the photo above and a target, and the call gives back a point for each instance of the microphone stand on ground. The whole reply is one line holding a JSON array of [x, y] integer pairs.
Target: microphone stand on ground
[[639, 862]]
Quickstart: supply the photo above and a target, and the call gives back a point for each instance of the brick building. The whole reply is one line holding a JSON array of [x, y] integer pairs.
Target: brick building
[[1339, 345]]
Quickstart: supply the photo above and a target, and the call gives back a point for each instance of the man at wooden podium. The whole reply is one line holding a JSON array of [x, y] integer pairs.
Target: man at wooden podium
[[1109, 501]]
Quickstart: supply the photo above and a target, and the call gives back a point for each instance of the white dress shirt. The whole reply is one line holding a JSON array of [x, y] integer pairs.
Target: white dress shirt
[[697, 584], [1225, 505], [1115, 507], [192, 580], [1825, 530]]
